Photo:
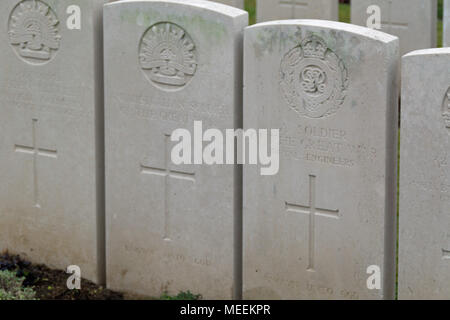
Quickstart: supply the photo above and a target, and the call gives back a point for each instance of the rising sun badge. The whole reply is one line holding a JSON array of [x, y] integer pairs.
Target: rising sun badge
[[33, 31], [167, 56]]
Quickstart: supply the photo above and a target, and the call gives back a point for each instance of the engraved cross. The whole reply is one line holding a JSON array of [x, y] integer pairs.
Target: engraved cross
[[36, 152], [445, 254], [391, 24], [312, 210], [446, 109], [167, 173], [294, 4]]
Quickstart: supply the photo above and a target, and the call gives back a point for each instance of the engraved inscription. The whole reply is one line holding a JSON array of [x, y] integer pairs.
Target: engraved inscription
[[311, 287], [167, 56], [438, 187], [325, 145], [446, 109], [445, 254], [44, 92], [314, 80], [205, 260], [172, 109], [33, 31]]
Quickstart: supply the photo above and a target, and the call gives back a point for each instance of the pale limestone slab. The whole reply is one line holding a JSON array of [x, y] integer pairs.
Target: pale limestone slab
[[314, 80], [446, 40], [51, 129], [267, 10], [424, 245], [170, 228], [413, 21], [235, 3]]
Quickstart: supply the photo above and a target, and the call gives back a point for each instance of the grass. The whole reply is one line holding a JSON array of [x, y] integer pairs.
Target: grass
[[440, 31], [344, 15], [440, 23], [181, 296], [250, 6]]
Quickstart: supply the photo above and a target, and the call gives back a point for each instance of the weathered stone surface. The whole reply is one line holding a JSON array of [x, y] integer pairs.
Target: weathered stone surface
[[312, 231], [235, 3], [424, 246], [413, 21], [170, 228], [296, 9], [51, 91]]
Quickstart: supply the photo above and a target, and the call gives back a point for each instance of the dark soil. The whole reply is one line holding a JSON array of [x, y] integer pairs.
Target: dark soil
[[52, 284]]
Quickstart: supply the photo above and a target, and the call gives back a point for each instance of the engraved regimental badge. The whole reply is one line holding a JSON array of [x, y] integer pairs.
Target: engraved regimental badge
[[446, 109], [314, 79], [167, 56], [33, 31]]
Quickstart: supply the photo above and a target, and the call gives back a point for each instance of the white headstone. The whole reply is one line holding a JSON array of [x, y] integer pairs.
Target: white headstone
[[446, 40], [51, 91], [313, 230], [234, 3], [297, 9], [424, 245], [413, 21], [170, 228]]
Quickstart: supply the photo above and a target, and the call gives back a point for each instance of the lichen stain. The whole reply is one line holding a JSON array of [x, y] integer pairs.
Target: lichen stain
[[271, 39], [194, 24]]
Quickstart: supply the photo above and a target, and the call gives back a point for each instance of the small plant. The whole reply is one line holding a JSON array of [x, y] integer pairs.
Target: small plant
[[11, 287], [19, 266], [182, 296]]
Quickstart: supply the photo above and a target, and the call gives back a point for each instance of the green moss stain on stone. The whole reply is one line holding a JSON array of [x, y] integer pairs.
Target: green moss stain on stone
[[140, 17], [195, 24], [272, 39], [54, 4]]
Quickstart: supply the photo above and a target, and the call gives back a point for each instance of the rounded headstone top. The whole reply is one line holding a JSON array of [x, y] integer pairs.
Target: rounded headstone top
[[201, 4], [432, 51], [332, 25]]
